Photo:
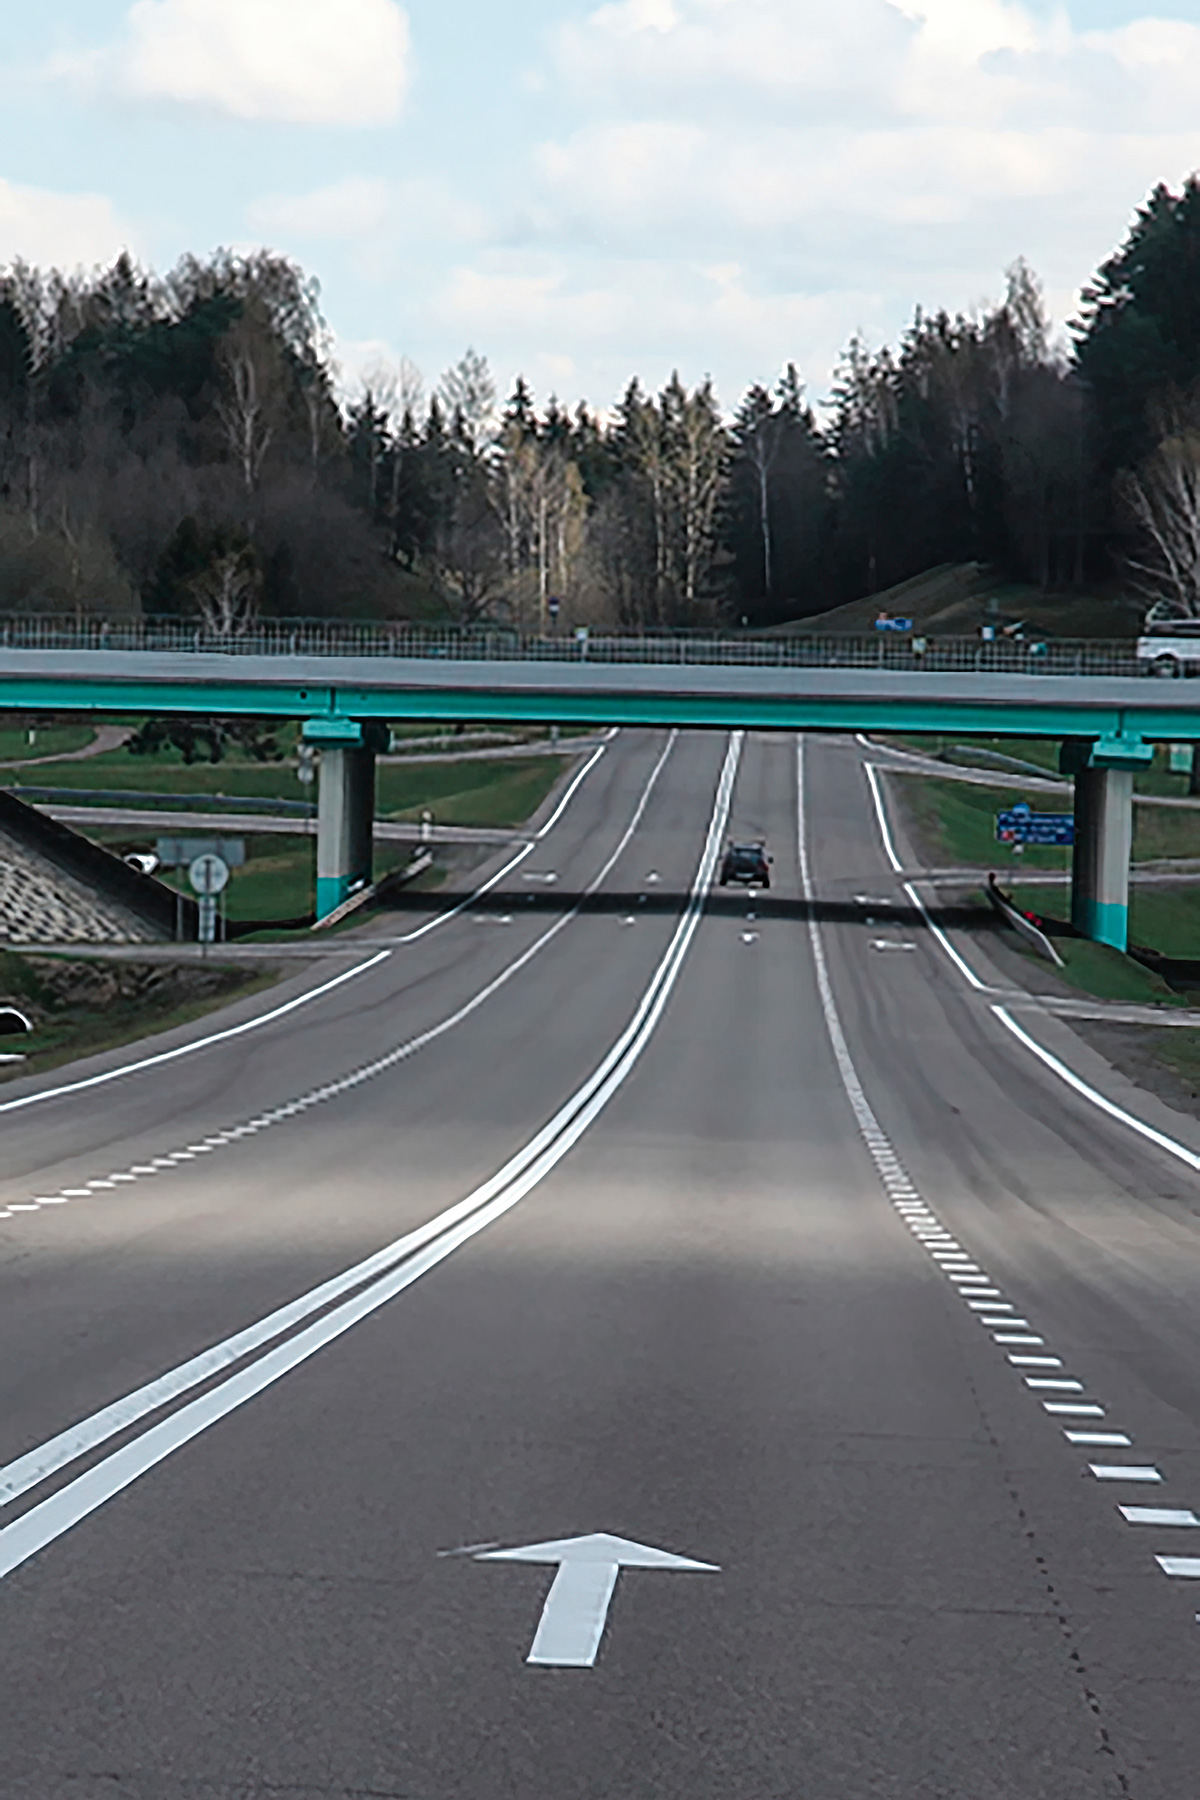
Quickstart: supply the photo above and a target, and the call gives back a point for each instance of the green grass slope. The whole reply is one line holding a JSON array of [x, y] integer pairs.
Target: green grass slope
[[955, 599]]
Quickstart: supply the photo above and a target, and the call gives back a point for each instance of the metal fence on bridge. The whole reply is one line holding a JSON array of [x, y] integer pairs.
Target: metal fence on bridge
[[490, 643]]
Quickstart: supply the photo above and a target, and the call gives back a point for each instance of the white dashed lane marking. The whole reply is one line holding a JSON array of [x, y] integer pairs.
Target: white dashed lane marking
[[945, 1253], [1125, 1472]]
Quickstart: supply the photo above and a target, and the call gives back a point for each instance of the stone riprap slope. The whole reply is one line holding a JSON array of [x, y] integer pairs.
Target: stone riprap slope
[[41, 903]]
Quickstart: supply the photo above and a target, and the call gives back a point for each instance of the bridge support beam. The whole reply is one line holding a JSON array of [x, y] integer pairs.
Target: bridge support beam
[[345, 807], [1103, 769]]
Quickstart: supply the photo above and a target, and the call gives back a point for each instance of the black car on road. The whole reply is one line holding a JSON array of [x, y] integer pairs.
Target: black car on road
[[746, 865]]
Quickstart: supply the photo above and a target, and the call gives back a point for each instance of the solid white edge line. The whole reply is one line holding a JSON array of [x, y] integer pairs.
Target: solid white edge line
[[1076, 1082], [28, 1470], [190, 1049], [1051, 1062], [402, 1052], [311, 994], [889, 848]]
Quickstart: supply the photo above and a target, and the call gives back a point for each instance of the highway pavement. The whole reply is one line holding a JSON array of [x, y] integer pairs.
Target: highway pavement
[[610, 1340]]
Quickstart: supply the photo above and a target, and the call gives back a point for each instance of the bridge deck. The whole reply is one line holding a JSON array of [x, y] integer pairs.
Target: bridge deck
[[831, 699]]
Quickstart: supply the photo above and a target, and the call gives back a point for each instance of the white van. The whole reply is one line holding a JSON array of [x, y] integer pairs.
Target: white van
[[1170, 647]]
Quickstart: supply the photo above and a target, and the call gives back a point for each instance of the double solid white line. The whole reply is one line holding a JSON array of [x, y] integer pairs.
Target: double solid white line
[[377, 1280]]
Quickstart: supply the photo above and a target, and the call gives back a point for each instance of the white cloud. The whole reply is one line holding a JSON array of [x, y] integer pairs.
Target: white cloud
[[583, 330], [310, 62], [342, 209], [63, 230], [868, 145]]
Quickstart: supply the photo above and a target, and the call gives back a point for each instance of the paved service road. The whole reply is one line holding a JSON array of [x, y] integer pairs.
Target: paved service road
[[710, 1261]]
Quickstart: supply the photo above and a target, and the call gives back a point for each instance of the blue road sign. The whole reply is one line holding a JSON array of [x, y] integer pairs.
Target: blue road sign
[[1022, 825], [893, 624]]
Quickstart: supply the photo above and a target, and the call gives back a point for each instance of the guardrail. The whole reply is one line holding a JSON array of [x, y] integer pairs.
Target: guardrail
[[491, 643]]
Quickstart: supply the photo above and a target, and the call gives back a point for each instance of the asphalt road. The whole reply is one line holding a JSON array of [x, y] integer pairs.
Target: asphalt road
[[597, 1209]]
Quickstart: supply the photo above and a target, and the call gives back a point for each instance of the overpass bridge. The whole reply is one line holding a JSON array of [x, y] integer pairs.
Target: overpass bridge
[[347, 686]]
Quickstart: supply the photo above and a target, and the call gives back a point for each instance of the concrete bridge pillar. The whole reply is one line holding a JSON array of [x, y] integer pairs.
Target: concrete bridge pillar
[[1103, 846], [345, 806], [1103, 769]]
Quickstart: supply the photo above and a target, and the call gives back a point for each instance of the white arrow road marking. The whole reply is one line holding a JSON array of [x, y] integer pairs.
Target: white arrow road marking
[[889, 944], [576, 1610]]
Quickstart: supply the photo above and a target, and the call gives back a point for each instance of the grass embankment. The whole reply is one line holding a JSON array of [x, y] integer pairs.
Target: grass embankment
[[499, 793], [953, 824], [1042, 753], [79, 1005], [955, 599], [277, 880], [55, 740]]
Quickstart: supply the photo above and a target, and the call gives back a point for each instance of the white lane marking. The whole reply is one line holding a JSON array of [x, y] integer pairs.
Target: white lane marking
[[197, 1044], [435, 924], [942, 1249], [576, 1608], [1124, 1472], [910, 890], [311, 994], [403, 1051], [1097, 1099], [390, 1271], [1158, 1515], [1052, 1062]]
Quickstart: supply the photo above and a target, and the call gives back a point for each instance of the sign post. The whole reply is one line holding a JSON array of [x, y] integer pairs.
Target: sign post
[[208, 875]]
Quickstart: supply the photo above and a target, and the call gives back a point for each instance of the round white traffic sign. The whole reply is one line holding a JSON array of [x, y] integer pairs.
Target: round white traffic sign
[[208, 874]]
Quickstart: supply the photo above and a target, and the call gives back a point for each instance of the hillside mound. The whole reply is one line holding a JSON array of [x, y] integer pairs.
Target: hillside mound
[[956, 599]]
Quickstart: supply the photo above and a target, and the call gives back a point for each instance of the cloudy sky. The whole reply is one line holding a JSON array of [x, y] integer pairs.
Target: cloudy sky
[[583, 191]]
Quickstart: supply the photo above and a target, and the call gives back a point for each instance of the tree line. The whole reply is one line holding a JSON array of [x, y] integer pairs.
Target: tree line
[[177, 445]]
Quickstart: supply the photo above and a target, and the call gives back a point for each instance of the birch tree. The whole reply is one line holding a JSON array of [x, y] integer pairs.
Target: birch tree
[[1163, 500]]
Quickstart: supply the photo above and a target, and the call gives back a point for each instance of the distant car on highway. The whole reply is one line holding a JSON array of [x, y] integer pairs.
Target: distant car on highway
[[1170, 647], [746, 865]]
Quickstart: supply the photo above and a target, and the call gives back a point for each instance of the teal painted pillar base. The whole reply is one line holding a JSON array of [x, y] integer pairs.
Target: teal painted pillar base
[[1102, 923], [345, 809], [332, 890], [1103, 847]]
